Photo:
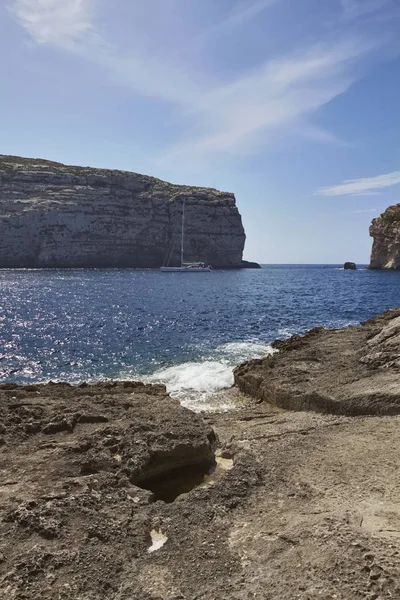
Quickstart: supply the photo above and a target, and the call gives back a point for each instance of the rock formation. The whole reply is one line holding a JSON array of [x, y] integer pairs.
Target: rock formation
[[250, 265], [351, 371], [350, 266], [88, 475], [305, 506], [52, 215], [386, 233]]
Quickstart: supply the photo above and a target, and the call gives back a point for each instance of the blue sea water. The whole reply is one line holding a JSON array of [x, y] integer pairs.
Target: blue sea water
[[187, 330]]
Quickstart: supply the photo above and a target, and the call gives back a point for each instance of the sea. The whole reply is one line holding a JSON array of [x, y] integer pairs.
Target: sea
[[186, 330]]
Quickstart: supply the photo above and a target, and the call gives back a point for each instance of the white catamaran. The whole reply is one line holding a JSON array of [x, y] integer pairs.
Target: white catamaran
[[186, 267]]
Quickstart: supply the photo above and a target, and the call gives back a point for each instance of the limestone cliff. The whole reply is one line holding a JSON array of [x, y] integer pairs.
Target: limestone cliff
[[386, 233], [52, 215]]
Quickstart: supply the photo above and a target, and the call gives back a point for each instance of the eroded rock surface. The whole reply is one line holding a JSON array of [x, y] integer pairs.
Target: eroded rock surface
[[52, 215], [351, 371], [386, 233], [306, 506], [325, 523], [75, 466]]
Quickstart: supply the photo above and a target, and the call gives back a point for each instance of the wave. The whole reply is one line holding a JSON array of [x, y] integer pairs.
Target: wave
[[237, 352], [197, 384], [194, 382], [287, 332]]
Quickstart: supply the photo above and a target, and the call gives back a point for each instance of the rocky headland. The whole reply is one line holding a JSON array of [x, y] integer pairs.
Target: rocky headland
[[115, 491], [53, 215], [386, 233]]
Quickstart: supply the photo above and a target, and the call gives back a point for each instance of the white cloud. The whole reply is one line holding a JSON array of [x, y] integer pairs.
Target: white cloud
[[278, 96], [364, 210], [54, 21], [274, 96], [367, 186]]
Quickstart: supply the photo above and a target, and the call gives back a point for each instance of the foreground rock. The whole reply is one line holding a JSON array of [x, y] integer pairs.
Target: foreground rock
[[52, 215], [77, 463], [352, 371], [306, 506], [325, 523], [386, 233]]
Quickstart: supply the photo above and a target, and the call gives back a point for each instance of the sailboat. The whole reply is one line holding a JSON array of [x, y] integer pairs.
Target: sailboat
[[186, 267]]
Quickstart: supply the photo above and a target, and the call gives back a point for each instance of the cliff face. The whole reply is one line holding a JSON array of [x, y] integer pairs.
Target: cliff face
[[52, 215], [386, 233]]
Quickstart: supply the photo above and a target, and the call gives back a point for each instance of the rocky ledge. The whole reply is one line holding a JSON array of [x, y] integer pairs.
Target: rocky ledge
[[53, 215], [386, 233], [114, 491], [351, 371]]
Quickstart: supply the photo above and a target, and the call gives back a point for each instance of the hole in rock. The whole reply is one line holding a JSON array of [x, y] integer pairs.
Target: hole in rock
[[168, 486]]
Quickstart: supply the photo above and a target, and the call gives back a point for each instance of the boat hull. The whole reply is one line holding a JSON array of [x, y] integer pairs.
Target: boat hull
[[185, 269]]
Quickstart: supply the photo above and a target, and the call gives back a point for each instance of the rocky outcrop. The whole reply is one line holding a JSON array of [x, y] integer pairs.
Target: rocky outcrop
[[246, 264], [351, 371], [88, 479], [305, 506], [129, 429], [386, 233], [52, 215], [350, 266]]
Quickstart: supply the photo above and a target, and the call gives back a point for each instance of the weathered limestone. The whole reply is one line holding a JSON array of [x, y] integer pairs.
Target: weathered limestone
[[306, 506], [350, 371], [52, 215], [386, 233]]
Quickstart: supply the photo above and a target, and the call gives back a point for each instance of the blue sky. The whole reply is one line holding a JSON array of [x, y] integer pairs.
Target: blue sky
[[293, 105]]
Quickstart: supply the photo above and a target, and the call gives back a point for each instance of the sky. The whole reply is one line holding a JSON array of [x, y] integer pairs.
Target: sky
[[293, 105]]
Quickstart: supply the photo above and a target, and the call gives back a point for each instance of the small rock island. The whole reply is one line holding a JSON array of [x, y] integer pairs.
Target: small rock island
[[350, 266], [53, 215]]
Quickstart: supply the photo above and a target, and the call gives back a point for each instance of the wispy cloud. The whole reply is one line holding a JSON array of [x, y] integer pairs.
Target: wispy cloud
[[363, 210], [243, 12], [273, 96], [54, 21], [367, 186], [277, 96], [69, 24], [357, 8]]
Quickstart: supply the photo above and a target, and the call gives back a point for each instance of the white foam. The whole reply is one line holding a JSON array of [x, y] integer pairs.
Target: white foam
[[193, 382], [287, 332], [238, 352], [196, 384]]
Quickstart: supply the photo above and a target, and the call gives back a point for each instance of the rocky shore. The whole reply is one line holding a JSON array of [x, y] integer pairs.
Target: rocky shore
[[115, 491], [351, 371]]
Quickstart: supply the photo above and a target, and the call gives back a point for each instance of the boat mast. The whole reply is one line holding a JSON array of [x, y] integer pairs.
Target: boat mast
[[183, 229]]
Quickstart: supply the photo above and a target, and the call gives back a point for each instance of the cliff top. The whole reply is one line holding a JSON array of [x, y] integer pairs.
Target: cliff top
[[392, 213], [14, 164]]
